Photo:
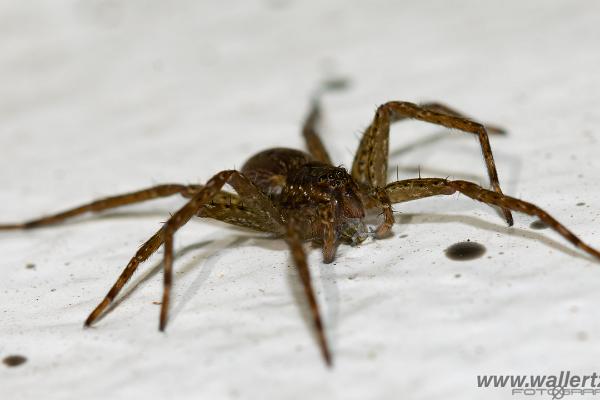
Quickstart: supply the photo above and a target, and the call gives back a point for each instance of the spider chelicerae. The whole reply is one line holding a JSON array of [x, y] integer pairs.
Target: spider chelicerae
[[303, 197]]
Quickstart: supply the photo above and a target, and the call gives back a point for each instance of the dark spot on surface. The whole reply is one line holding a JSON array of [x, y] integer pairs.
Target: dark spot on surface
[[403, 236], [404, 219], [537, 224], [30, 266], [457, 275], [581, 203], [582, 336], [339, 83], [14, 360], [464, 251]]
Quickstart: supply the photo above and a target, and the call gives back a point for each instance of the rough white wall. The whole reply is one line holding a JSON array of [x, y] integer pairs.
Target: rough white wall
[[101, 97]]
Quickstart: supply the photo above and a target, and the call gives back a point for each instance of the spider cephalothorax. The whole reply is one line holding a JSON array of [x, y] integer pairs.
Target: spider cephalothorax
[[328, 202], [303, 197]]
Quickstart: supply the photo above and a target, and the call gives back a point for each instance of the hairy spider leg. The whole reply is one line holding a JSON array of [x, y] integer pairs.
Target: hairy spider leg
[[108, 203], [165, 235], [413, 189], [249, 208], [315, 146], [224, 206], [233, 210], [444, 109], [378, 198], [371, 160], [264, 217], [294, 240], [327, 219]]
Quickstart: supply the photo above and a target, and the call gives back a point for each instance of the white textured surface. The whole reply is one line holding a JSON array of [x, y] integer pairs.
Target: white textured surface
[[102, 97]]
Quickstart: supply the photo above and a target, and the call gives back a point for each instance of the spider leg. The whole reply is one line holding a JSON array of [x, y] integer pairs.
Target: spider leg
[[326, 216], [251, 209], [294, 241], [108, 203], [165, 235], [444, 109], [239, 214], [370, 162], [413, 189], [309, 128], [309, 131], [378, 197]]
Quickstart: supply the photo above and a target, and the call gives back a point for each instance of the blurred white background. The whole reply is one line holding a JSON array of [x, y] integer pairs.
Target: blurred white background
[[102, 97]]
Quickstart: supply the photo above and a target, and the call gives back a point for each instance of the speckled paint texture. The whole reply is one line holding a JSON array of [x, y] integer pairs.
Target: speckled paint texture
[[104, 97]]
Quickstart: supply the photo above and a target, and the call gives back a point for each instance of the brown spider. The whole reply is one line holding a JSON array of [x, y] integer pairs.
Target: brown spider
[[303, 197]]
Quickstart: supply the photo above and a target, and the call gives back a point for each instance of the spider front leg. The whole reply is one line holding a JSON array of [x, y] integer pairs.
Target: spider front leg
[[166, 233], [327, 221], [378, 198], [294, 240], [413, 189], [371, 160]]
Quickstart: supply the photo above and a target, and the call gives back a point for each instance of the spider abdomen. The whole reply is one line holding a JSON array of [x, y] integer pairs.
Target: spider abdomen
[[269, 169]]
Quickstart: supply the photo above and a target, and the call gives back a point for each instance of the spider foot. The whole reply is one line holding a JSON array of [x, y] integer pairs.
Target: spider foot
[[508, 216]]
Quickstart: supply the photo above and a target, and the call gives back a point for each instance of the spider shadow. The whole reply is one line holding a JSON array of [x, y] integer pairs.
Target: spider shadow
[[327, 273], [212, 248], [424, 141], [209, 259], [327, 276], [509, 186], [331, 296], [449, 135], [433, 218]]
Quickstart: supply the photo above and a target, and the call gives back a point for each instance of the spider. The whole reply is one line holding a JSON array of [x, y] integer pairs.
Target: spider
[[301, 196]]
